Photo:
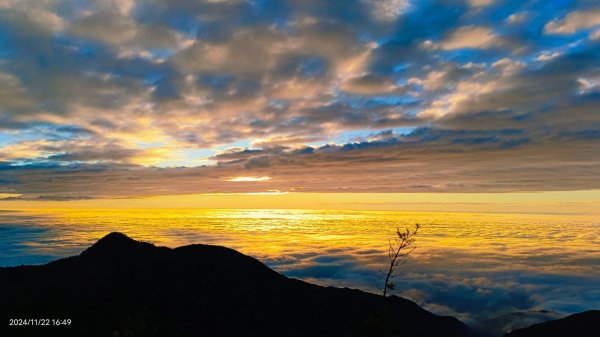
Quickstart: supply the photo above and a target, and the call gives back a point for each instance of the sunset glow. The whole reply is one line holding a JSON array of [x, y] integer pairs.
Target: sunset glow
[[303, 133]]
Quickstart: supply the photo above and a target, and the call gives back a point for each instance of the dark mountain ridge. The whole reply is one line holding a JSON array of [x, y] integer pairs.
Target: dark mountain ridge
[[583, 324], [121, 287]]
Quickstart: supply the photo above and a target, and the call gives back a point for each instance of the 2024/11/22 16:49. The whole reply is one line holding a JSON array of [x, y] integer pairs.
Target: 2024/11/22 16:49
[[39, 321]]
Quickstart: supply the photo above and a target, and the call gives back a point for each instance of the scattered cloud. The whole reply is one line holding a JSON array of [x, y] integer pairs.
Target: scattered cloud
[[136, 86], [368, 85], [595, 35], [388, 10], [517, 18], [481, 3], [573, 22], [471, 37]]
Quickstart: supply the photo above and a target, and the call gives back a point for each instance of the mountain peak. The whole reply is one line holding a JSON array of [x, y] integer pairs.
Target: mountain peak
[[114, 243], [114, 238]]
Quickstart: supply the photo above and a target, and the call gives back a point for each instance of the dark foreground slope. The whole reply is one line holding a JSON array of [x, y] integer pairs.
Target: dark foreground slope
[[585, 324], [121, 287]]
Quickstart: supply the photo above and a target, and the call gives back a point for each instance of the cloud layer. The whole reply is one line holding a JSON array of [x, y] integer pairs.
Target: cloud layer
[[445, 95], [495, 272]]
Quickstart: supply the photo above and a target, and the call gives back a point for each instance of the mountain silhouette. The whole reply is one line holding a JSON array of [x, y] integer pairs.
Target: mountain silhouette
[[121, 287], [584, 324]]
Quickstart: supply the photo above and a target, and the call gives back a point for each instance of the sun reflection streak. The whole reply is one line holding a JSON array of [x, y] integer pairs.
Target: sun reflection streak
[[248, 179]]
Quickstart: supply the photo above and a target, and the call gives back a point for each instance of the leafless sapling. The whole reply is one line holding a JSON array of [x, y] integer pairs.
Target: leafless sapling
[[400, 247]]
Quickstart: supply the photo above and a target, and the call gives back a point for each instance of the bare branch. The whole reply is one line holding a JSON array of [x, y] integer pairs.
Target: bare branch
[[397, 252]]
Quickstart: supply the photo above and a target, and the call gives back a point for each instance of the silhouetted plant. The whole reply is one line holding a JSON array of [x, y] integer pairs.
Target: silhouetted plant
[[381, 323], [400, 247]]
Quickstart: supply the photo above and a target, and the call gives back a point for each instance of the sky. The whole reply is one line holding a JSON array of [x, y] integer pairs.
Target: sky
[[123, 98]]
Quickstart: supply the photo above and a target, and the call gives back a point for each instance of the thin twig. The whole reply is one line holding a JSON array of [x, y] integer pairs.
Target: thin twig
[[404, 239]]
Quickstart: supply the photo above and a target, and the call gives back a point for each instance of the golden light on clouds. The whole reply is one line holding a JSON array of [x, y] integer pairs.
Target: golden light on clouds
[[584, 204], [9, 195], [303, 133]]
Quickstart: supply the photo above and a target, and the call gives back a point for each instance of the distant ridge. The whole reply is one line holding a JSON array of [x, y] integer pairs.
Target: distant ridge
[[122, 287], [584, 324]]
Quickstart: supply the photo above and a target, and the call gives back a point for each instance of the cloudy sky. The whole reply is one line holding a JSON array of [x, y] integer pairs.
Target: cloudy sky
[[115, 98]]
